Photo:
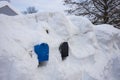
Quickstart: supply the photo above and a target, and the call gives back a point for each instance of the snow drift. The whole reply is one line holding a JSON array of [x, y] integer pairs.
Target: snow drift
[[92, 48]]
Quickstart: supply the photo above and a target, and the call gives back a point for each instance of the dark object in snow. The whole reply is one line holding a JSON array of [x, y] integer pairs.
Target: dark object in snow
[[42, 52], [64, 50], [47, 31]]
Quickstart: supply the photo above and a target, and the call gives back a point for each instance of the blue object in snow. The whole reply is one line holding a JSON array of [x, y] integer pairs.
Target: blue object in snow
[[42, 52]]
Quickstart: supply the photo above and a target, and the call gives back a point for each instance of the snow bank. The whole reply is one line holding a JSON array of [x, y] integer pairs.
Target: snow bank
[[107, 61], [58, 22], [18, 36], [86, 35], [92, 48], [111, 37]]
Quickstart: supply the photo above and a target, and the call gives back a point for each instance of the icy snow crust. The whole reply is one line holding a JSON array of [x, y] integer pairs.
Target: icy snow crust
[[94, 50]]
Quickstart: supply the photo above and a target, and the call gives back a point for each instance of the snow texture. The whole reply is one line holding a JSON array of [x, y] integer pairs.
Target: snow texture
[[94, 50]]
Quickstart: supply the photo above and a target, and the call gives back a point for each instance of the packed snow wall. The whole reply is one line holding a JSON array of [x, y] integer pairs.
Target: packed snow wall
[[87, 59]]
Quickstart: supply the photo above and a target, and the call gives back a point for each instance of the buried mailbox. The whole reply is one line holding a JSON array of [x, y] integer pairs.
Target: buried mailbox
[[64, 50], [42, 52]]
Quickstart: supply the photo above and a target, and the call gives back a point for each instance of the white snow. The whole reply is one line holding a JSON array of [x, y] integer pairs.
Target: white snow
[[94, 50], [86, 35]]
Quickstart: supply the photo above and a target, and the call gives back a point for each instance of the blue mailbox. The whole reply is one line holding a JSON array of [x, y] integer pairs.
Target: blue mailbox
[[42, 52]]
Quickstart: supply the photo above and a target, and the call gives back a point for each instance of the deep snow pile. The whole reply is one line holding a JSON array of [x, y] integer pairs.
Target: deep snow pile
[[94, 50], [106, 45], [109, 41]]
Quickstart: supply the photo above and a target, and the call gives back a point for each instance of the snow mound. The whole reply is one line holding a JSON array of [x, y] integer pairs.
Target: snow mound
[[111, 39], [107, 62], [91, 48], [18, 38], [58, 22], [86, 35]]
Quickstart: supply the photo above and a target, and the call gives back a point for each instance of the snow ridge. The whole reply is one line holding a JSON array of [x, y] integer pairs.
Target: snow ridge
[[94, 50]]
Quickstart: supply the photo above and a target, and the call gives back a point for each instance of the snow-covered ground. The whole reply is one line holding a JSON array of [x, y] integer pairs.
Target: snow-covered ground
[[94, 50]]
